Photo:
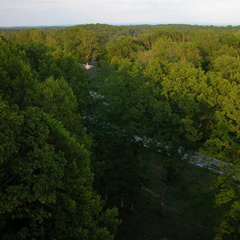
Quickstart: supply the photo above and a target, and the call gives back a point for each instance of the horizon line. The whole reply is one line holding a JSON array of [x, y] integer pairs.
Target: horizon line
[[127, 24]]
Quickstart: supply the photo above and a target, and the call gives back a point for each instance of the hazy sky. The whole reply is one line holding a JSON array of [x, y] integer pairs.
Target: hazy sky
[[66, 12]]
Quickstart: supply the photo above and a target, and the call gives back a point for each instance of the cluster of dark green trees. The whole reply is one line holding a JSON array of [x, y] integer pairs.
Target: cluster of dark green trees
[[45, 172], [177, 90]]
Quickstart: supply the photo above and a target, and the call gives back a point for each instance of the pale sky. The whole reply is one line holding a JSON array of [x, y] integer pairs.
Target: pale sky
[[72, 12]]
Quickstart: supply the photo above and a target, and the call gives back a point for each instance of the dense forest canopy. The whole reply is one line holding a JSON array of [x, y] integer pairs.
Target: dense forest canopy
[[77, 144]]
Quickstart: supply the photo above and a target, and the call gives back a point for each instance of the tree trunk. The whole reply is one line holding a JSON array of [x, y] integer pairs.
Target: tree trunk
[[132, 207], [122, 203], [164, 200], [106, 197], [42, 228]]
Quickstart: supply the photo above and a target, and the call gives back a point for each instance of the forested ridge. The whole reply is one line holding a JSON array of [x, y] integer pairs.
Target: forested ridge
[[107, 152]]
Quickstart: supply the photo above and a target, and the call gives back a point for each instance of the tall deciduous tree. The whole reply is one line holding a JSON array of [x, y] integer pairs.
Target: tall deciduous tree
[[17, 80], [45, 172], [207, 41], [228, 67], [46, 182], [223, 144], [47, 62], [80, 42], [125, 48]]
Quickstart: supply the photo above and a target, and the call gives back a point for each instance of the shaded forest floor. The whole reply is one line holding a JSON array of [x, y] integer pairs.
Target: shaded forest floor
[[190, 214]]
